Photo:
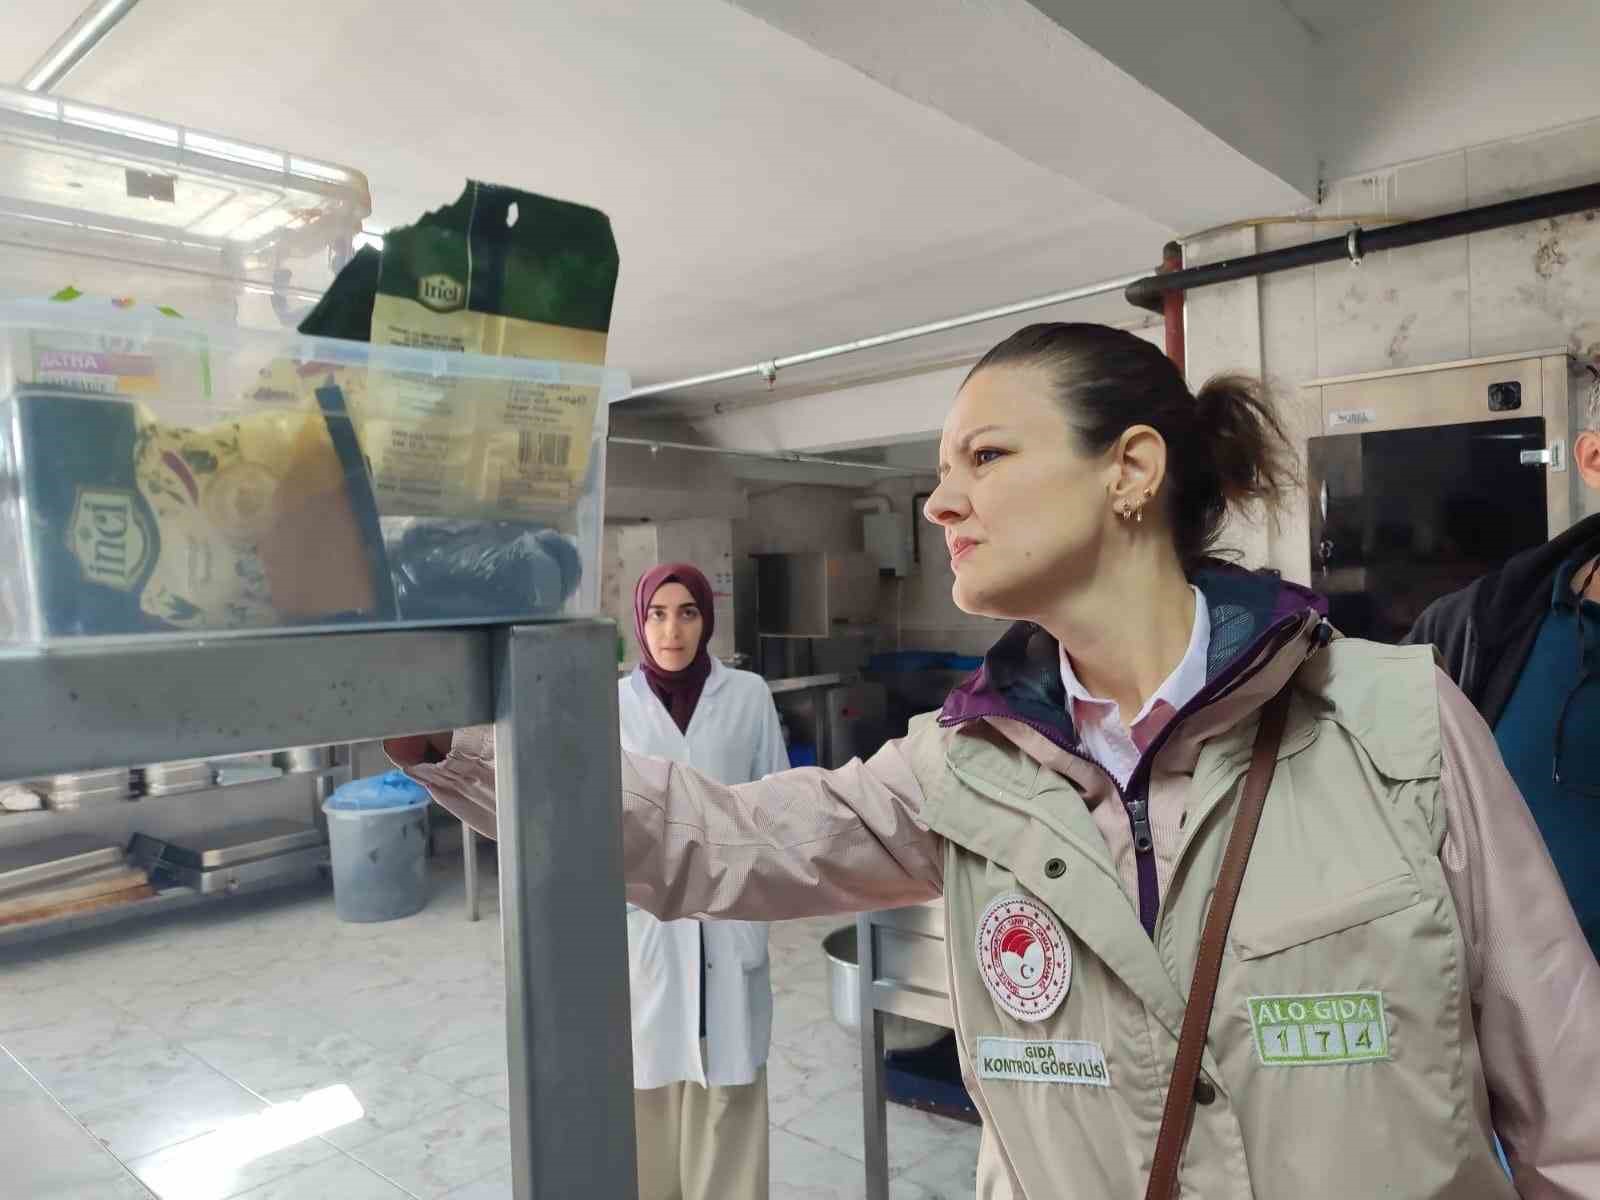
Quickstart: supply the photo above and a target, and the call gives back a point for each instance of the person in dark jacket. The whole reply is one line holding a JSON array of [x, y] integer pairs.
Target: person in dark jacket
[[1523, 643]]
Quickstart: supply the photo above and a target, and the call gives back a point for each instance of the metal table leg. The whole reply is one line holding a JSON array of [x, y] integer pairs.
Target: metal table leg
[[874, 1101], [469, 849], [819, 709], [561, 911]]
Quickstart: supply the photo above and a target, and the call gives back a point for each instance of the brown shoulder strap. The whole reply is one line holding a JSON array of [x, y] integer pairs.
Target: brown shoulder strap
[[1179, 1111]]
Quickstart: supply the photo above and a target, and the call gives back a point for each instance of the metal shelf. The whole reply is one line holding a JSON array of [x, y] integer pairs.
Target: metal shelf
[[550, 691], [168, 900], [112, 703], [45, 816]]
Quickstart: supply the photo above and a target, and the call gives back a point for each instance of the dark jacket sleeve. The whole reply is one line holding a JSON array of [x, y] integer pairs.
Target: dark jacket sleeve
[[1445, 625]]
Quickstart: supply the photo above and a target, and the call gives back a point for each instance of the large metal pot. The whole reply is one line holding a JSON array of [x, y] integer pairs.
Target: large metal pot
[[304, 758], [844, 977], [844, 997]]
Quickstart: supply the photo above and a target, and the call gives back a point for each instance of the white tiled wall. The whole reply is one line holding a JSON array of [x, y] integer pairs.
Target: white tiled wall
[[917, 612]]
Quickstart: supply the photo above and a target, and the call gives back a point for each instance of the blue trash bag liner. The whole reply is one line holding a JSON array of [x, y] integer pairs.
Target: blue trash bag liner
[[395, 789]]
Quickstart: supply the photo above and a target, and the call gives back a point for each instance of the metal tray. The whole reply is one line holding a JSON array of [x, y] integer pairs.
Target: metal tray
[[157, 790], [228, 847], [162, 778], [89, 783], [55, 859], [304, 862], [67, 802]]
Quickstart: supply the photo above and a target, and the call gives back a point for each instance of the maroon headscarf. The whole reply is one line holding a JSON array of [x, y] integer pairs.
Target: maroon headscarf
[[678, 691]]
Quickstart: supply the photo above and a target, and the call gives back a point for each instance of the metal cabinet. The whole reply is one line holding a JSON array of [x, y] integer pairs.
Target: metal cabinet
[[1423, 479]]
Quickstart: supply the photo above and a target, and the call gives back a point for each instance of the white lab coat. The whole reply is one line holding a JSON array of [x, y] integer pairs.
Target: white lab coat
[[734, 737]]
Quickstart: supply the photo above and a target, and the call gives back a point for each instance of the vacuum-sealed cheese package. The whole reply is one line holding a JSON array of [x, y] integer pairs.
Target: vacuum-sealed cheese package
[[479, 480], [505, 273], [141, 525]]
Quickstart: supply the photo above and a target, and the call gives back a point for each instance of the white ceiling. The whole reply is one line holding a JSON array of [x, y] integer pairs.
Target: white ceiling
[[31, 28], [765, 198], [777, 190], [1330, 18]]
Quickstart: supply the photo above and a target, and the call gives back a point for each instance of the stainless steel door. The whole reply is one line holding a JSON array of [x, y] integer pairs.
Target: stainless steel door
[[1402, 516]]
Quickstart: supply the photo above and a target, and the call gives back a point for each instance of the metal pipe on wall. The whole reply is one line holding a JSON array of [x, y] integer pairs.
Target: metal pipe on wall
[[1172, 308], [73, 46], [769, 369], [811, 460], [1150, 292]]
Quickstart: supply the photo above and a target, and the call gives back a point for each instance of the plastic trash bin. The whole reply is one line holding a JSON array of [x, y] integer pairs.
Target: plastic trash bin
[[378, 835]]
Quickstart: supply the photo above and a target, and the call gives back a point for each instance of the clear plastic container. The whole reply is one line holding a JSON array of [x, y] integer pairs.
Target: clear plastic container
[[163, 476], [119, 205]]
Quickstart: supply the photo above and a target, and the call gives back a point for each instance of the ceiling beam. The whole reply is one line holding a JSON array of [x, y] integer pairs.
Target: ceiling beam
[[1189, 115]]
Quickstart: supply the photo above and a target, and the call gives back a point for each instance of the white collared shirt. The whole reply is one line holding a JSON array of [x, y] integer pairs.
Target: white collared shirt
[[1116, 746]]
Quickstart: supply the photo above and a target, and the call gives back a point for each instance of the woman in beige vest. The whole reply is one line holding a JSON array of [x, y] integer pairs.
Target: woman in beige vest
[[1402, 975]]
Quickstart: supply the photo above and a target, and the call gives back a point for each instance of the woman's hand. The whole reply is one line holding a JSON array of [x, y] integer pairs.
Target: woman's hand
[[422, 748]]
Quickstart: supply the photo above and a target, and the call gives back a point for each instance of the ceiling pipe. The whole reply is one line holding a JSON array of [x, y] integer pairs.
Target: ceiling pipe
[[873, 504], [1172, 309], [1150, 292], [782, 456], [769, 369], [73, 46]]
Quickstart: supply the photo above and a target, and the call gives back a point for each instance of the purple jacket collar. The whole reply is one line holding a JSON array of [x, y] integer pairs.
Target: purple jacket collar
[[1021, 675]]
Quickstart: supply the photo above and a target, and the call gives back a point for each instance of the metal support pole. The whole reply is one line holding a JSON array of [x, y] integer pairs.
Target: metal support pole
[[1172, 310], [469, 851], [819, 710], [558, 801], [874, 1094]]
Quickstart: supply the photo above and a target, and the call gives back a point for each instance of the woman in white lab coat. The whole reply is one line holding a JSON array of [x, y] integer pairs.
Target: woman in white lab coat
[[702, 994]]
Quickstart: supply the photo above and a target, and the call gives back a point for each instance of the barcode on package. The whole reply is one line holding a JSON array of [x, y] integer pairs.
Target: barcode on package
[[544, 449]]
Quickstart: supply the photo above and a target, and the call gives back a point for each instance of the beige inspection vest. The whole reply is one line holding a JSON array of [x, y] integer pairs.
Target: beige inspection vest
[[1341, 1059]]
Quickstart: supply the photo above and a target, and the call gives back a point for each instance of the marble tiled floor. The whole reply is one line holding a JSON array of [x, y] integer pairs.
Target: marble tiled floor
[[263, 1050]]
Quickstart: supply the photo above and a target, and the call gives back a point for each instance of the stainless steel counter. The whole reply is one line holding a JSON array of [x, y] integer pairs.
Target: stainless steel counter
[[902, 973], [803, 683]]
